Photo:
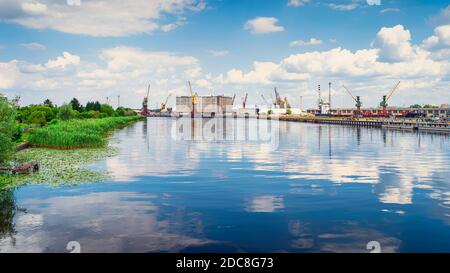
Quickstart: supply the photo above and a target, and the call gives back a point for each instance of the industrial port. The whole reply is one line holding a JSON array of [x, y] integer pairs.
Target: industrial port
[[428, 118]]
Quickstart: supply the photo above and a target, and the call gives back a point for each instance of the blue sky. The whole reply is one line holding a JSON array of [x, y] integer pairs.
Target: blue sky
[[97, 49]]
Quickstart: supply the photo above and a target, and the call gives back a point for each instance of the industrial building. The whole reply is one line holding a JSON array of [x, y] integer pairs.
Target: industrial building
[[442, 112], [208, 106]]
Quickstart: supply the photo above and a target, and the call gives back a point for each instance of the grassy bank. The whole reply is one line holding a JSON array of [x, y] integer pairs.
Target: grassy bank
[[72, 134]]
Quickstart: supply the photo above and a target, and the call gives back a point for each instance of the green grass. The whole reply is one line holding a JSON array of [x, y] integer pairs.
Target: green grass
[[73, 134]]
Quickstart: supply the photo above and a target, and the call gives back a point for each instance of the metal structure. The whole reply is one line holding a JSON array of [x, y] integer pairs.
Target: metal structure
[[234, 97], [384, 102], [357, 99], [164, 104], [194, 100], [244, 100], [145, 111]]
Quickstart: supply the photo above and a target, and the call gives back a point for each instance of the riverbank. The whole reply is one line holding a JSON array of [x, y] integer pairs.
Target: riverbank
[[74, 134], [64, 149]]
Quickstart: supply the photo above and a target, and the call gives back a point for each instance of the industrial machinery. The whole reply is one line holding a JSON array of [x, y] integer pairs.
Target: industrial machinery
[[232, 102], [145, 111], [194, 99], [384, 102], [358, 104], [286, 103], [244, 100], [164, 104], [265, 101], [278, 100]]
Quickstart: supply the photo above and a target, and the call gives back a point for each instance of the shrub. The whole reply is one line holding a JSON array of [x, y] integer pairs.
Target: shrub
[[66, 112], [7, 129]]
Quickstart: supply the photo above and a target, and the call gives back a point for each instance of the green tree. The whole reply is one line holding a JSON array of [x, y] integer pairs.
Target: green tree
[[108, 110], [75, 105], [66, 112], [7, 129], [37, 117], [48, 103]]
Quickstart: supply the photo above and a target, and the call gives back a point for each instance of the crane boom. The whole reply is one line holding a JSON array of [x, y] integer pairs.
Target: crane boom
[[265, 101], [245, 100], [392, 91], [190, 89], [234, 97], [148, 91], [350, 93]]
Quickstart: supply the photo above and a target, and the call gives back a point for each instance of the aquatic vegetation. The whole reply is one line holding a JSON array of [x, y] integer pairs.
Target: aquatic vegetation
[[59, 167], [72, 134]]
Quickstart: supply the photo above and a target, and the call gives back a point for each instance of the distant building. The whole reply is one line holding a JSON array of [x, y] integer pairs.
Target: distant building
[[395, 111], [205, 106]]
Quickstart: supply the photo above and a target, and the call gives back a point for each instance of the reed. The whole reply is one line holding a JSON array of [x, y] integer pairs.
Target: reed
[[72, 134]]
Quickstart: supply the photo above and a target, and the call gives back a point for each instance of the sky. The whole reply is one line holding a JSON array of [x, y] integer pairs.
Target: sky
[[102, 49]]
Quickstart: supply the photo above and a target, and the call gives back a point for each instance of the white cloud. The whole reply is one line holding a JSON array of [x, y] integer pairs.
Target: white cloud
[[373, 2], [8, 74], [218, 53], [112, 18], [311, 42], [390, 10], [394, 44], [34, 8], [262, 25], [63, 61], [33, 46], [343, 7], [297, 3]]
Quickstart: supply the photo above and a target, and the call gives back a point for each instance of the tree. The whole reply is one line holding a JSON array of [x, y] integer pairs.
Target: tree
[[48, 103], [107, 109], [66, 112], [7, 129], [37, 117], [75, 105]]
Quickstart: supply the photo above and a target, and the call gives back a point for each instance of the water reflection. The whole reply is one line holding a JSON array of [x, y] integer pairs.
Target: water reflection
[[221, 186]]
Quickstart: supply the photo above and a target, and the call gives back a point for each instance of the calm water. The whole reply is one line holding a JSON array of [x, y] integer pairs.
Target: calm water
[[323, 189]]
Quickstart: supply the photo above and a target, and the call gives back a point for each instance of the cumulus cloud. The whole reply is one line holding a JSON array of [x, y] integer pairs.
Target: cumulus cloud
[[311, 42], [394, 44], [262, 25], [112, 18], [297, 3], [118, 70]]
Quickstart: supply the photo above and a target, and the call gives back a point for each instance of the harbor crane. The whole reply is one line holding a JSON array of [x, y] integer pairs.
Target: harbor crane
[[357, 99], [145, 111], [193, 99], [265, 101], [279, 100], [386, 98], [244, 102], [164, 104], [232, 101]]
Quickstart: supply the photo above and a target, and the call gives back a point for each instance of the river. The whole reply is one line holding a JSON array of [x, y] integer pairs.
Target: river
[[245, 186]]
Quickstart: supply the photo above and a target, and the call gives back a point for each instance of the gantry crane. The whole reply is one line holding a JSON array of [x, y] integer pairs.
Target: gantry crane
[[244, 100], [357, 99], [384, 102], [164, 104]]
